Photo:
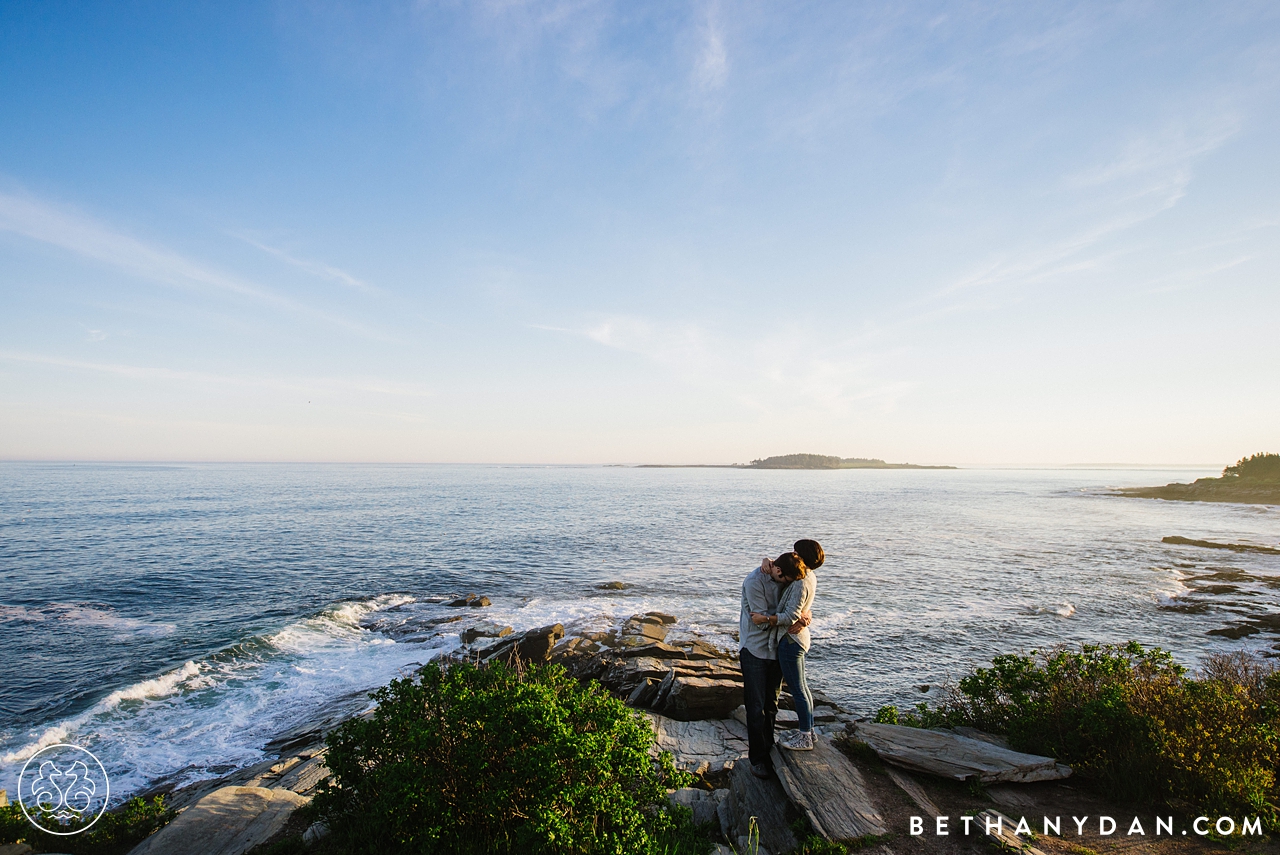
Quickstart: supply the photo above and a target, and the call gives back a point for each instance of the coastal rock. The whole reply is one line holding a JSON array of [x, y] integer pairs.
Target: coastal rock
[[701, 747], [474, 601], [1000, 832], [306, 776], [829, 790], [692, 698], [652, 626], [229, 821], [612, 586], [642, 646], [644, 693], [914, 791], [705, 804], [532, 645], [315, 832], [763, 800], [950, 755], [485, 629], [699, 649]]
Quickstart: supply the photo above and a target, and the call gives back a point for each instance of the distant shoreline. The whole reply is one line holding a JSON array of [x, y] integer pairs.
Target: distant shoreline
[[777, 468], [798, 461], [1209, 490]]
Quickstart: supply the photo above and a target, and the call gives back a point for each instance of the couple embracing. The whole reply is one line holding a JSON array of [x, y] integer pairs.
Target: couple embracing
[[774, 634]]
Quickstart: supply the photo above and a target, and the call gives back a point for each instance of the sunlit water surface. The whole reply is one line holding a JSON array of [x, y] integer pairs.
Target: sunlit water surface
[[175, 618]]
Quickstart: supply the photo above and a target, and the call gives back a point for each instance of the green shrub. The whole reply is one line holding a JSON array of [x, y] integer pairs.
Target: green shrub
[[1134, 721], [474, 759], [921, 716], [115, 833]]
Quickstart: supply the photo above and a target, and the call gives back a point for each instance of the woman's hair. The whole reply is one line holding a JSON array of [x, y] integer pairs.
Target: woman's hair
[[810, 551], [791, 565]]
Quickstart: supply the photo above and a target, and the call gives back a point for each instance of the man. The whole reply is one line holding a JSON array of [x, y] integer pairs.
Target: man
[[761, 675]]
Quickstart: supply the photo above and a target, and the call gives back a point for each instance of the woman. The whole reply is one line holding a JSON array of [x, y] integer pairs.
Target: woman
[[796, 572]]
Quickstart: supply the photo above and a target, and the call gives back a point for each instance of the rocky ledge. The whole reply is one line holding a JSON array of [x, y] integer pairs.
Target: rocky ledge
[[691, 691]]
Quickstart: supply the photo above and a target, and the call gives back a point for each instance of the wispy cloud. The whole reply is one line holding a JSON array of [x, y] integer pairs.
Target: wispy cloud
[[1149, 176], [375, 386], [761, 372], [315, 268], [87, 237], [712, 67]]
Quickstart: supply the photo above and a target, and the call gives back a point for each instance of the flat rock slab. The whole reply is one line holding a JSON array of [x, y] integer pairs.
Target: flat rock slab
[[693, 698], [305, 777], [700, 747], [914, 791], [763, 800], [830, 790], [950, 755], [229, 821], [484, 629], [999, 831]]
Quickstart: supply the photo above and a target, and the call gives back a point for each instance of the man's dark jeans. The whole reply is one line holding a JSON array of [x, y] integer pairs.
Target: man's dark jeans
[[761, 680]]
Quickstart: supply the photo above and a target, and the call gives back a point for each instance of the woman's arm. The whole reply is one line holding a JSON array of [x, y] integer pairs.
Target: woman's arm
[[794, 604], [789, 604]]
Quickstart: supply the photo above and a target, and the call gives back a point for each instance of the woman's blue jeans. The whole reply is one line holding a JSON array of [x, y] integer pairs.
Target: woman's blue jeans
[[791, 660]]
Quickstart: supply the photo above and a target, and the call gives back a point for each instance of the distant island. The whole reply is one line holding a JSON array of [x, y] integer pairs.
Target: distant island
[[799, 461], [1253, 480]]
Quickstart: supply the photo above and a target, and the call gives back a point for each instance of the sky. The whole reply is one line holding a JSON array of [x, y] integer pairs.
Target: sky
[[596, 232]]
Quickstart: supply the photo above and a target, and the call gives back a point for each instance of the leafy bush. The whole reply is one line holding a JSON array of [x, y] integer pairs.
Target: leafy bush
[[1133, 720], [1257, 467], [115, 833], [472, 759], [922, 715]]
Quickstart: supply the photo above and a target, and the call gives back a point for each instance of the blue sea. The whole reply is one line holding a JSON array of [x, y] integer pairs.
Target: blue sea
[[175, 618]]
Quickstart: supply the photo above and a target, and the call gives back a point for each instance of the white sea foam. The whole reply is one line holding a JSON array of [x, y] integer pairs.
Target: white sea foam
[[20, 613], [219, 712], [86, 615], [160, 687], [51, 736], [1172, 593], [1062, 609]]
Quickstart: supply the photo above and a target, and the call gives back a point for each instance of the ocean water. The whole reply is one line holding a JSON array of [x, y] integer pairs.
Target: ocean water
[[175, 618]]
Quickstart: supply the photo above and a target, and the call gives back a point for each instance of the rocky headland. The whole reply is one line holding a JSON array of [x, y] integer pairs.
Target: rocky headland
[[860, 785], [1253, 480]]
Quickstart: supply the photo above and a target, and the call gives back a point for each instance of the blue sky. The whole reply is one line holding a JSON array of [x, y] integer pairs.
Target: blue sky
[[591, 232]]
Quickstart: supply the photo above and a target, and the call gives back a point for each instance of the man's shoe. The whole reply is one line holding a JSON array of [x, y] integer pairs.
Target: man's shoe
[[760, 770]]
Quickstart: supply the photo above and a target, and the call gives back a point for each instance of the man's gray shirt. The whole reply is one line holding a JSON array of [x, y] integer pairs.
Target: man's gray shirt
[[759, 595]]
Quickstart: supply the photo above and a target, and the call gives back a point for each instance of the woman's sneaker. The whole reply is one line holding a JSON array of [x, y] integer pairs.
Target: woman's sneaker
[[799, 740]]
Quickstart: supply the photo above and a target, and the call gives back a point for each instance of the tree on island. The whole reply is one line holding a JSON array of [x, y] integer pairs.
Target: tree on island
[[829, 461], [1254, 479], [1257, 467], [800, 461]]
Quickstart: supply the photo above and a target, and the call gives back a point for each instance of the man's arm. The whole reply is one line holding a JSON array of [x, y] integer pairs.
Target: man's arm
[[754, 591]]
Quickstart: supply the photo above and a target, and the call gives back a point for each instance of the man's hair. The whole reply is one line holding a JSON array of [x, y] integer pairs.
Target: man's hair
[[791, 565], [810, 551]]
